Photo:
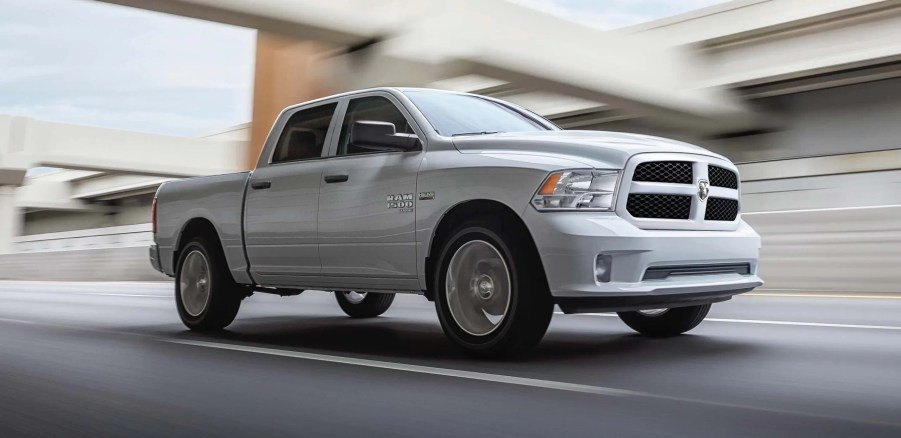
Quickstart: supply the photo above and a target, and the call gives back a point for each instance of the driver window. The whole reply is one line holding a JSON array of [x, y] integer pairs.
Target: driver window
[[373, 109]]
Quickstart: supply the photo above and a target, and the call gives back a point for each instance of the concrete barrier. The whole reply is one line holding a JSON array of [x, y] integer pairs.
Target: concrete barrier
[[103, 264], [847, 249]]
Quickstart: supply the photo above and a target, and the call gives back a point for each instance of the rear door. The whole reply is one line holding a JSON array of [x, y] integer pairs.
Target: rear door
[[282, 203], [367, 205]]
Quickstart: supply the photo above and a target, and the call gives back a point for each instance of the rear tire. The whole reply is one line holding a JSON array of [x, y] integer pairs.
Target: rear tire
[[670, 322], [497, 302], [364, 305], [206, 295]]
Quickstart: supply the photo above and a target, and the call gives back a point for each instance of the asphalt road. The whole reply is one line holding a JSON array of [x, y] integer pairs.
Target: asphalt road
[[114, 360]]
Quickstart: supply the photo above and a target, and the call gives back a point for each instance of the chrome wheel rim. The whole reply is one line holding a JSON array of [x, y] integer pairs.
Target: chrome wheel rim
[[194, 283], [653, 312], [355, 297], [478, 288]]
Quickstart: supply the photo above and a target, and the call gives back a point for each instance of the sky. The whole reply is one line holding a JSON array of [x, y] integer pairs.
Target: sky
[[90, 63]]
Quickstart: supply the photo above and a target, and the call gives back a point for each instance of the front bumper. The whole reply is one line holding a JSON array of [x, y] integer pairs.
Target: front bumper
[[570, 242]]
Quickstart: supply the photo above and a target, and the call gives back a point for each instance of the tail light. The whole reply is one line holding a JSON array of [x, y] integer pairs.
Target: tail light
[[153, 215]]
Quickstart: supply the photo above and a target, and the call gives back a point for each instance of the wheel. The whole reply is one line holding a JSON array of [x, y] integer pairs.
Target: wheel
[[363, 304], [661, 323], [491, 294], [206, 295]]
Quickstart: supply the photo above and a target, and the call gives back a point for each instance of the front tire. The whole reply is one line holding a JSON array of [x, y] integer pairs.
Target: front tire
[[206, 296], [364, 304], [661, 323], [490, 292]]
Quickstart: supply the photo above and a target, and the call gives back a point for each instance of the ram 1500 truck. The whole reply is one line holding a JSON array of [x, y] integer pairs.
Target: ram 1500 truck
[[483, 207]]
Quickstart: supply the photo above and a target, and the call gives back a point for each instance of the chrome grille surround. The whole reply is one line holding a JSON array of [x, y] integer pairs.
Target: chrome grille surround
[[696, 217]]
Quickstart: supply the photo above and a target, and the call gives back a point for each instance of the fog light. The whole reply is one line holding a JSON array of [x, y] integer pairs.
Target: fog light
[[602, 267]]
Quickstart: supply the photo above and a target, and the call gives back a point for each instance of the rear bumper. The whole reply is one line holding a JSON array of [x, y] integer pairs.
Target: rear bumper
[[155, 257], [685, 266]]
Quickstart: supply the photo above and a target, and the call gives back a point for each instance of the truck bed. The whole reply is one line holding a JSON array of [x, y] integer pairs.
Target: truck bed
[[218, 199]]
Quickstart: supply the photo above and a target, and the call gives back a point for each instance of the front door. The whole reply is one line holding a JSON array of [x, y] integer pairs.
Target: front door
[[282, 205], [367, 204]]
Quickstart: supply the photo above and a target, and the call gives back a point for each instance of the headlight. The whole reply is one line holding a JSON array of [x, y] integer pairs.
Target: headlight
[[590, 190]]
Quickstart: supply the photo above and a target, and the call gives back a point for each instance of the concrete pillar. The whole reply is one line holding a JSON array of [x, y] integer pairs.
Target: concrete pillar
[[286, 73], [10, 219]]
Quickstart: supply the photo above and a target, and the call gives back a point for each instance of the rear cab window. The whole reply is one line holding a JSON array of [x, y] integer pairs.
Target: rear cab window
[[304, 134]]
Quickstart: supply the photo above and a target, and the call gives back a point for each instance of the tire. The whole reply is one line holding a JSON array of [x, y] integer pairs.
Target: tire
[[670, 322], [210, 301], [364, 305], [469, 304]]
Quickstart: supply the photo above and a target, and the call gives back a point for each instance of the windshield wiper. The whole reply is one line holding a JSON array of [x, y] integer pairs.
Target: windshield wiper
[[476, 133]]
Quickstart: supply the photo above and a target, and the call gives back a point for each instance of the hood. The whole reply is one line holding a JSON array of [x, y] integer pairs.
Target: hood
[[597, 149]]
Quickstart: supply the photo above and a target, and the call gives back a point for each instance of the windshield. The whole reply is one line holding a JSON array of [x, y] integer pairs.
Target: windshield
[[460, 114]]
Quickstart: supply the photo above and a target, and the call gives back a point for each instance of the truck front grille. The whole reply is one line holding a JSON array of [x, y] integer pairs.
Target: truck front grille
[[676, 172], [659, 206], [680, 192], [720, 177], [720, 209]]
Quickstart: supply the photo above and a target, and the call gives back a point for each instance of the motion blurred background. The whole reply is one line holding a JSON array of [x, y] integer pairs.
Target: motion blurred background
[[100, 103]]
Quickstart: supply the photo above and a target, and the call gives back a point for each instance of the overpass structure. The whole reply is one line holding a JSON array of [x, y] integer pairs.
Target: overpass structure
[[805, 95]]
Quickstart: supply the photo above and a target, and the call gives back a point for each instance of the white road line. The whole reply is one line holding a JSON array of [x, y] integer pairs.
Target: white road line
[[123, 295], [795, 323], [496, 378], [471, 375], [16, 321], [809, 324]]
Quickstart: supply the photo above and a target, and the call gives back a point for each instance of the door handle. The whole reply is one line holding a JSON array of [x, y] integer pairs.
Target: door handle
[[329, 179], [259, 185]]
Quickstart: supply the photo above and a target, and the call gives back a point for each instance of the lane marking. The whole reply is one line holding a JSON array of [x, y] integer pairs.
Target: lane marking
[[813, 295], [806, 324], [16, 321], [763, 322], [89, 283], [122, 295], [512, 380], [421, 369]]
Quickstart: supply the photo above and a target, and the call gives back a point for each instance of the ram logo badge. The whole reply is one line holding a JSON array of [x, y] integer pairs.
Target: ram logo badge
[[703, 189]]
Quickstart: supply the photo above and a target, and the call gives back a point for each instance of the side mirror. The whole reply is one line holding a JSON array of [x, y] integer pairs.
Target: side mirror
[[382, 136]]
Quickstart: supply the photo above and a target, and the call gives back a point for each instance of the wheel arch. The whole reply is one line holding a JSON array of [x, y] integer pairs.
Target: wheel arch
[[459, 213], [195, 227]]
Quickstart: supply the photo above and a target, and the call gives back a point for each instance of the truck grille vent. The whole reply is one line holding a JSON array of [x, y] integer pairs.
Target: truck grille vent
[[676, 172], [664, 272], [720, 177], [659, 206], [720, 209]]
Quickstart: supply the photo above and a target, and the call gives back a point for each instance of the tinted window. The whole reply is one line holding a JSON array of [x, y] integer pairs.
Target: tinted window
[[371, 109], [304, 134], [455, 114]]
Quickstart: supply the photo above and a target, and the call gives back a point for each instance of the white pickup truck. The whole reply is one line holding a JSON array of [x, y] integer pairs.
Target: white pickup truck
[[483, 207]]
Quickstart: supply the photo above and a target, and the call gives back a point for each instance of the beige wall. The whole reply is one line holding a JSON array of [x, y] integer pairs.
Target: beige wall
[[285, 75]]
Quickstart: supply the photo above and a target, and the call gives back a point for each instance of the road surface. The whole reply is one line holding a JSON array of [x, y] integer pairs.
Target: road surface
[[112, 359]]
